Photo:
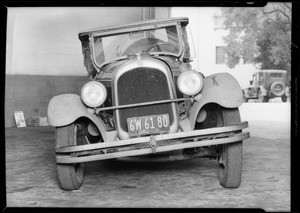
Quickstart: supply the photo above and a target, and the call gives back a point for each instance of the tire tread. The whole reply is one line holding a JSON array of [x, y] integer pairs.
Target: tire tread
[[67, 176], [231, 177]]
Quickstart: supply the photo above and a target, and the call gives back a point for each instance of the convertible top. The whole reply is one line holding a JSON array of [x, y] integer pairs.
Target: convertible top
[[132, 26], [84, 36]]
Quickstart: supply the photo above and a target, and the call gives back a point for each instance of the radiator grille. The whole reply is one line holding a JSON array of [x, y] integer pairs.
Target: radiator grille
[[143, 85]]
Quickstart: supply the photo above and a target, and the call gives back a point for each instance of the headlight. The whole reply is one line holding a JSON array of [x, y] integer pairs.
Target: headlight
[[93, 94], [190, 82]]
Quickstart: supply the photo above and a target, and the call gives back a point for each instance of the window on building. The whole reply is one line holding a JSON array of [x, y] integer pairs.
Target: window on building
[[220, 55]]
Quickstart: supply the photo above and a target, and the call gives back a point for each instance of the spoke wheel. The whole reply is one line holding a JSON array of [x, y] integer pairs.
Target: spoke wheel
[[70, 176]]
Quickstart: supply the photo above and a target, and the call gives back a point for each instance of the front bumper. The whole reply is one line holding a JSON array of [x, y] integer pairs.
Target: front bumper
[[151, 144]]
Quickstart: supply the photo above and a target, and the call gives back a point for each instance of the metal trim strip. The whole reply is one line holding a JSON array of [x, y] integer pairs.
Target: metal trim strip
[[132, 141], [71, 159]]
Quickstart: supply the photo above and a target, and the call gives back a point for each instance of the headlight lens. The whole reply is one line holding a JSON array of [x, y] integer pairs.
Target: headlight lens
[[93, 94], [190, 82]]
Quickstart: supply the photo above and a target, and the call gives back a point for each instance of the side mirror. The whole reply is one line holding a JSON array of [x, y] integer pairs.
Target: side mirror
[[251, 82]]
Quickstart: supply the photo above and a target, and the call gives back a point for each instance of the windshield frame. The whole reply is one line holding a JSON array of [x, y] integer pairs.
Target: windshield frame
[[137, 29]]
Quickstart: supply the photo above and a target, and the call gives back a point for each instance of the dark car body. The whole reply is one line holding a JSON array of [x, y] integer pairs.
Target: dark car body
[[144, 100]]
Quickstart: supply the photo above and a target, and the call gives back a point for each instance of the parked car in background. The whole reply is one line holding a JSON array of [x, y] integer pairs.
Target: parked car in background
[[267, 84], [145, 101]]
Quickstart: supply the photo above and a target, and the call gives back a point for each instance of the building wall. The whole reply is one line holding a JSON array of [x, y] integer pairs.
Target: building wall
[[44, 41], [32, 93], [44, 56]]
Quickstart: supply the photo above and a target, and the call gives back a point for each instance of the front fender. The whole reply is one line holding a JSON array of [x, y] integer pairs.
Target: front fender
[[221, 88], [66, 108]]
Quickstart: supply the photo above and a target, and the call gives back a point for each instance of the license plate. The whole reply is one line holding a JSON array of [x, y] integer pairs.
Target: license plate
[[153, 124]]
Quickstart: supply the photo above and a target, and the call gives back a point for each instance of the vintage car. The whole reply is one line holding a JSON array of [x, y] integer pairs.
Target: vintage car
[[144, 101], [267, 84]]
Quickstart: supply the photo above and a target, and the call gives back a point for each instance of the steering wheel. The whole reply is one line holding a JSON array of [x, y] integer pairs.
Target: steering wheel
[[156, 44]]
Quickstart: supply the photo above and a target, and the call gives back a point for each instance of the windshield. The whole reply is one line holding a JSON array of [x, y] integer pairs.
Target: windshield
[[157, 41]]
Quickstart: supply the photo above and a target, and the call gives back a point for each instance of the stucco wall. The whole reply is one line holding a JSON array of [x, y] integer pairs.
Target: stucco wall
[[44, 41], [44, 56]]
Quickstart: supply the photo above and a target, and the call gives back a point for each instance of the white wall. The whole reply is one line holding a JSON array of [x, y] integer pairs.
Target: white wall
[[44, 41], [161, 12], [206, 38], [200, 23]]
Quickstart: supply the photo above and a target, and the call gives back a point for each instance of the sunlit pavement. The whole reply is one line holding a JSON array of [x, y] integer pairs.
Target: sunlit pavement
[[272, 111], [31, 172]]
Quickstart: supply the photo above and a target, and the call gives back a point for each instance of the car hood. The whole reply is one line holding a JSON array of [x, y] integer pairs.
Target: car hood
[[108, 69]]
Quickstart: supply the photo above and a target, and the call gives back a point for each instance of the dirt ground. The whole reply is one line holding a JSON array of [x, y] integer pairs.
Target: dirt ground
[[31, 172]]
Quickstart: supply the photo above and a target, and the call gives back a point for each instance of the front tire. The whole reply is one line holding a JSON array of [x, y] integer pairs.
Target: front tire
[[230, 161], [70, 176], [229, 155]]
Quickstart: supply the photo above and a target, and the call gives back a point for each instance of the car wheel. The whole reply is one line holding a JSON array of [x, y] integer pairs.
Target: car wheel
[[277, 88], [230, 155], [284, 98], [70, 176], [230, 161]]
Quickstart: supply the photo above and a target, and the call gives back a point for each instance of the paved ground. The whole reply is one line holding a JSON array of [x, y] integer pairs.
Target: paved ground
[[31, 172]]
